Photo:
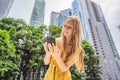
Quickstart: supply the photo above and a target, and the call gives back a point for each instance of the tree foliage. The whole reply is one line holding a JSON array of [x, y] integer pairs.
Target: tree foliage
[[8, 63], [92, 70], [55, 31], [28, 46]]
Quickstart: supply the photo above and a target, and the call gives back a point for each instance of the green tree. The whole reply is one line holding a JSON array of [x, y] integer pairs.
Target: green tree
[[8, 63], [28, 44], [8, 23], [92, 70], [55, 31]]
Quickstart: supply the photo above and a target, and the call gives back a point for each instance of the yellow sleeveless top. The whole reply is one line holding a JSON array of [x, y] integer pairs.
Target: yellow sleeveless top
[[54, 72]]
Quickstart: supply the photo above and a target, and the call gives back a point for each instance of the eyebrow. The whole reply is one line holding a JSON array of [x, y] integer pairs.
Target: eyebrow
[[68, 25]]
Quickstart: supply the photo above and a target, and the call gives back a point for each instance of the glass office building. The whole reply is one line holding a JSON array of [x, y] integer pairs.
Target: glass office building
[[58, 18], [5, 6], [37, 17], [81, 12], [54, 18], [96, 31]]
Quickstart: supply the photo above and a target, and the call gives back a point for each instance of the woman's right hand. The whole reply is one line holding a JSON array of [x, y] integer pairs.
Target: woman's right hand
[[47, 47]]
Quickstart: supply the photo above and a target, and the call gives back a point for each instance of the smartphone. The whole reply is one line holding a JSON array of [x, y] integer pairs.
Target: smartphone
[[50, 40]]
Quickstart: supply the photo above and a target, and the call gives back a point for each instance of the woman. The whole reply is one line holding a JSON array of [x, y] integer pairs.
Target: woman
[[66, 52]]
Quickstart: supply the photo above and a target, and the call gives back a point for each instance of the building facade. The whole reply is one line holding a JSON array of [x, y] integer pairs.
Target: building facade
[[5, 6], [58, 18], [96, 31], [54, 18], [37, 17], [116, 34], [118, 27], [82, 13]]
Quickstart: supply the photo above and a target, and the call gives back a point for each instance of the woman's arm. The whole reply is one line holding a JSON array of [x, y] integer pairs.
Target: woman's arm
[[64, 66], [47, 57]]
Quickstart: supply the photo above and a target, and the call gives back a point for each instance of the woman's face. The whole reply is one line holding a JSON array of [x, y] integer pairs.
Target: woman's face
[[68, 28]]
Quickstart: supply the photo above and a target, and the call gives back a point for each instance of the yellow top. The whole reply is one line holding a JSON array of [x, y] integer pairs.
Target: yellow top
[[54, 72]]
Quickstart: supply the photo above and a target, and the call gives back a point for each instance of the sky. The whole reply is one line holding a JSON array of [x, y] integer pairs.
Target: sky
[[111, 10], [23, 9]]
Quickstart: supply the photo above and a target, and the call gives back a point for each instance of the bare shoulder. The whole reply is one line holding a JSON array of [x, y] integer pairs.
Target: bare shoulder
[[59, 40]]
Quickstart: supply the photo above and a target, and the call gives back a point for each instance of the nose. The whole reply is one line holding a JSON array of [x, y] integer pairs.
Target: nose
[[66, 28]]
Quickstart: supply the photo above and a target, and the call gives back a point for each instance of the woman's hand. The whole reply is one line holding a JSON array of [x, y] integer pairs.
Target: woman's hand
[[53, 50], [56, 51], [47, 57], [48, 49]]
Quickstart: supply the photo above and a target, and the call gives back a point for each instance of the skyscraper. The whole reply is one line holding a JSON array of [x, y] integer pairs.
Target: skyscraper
[[63, 15], [54, 18], [118, 27], [57, 18], [116, 35], [5, 6], [96, 31], [37, 17], [79, 9]]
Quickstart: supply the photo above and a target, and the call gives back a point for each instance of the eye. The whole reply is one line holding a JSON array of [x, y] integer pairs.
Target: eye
[[69, 27]]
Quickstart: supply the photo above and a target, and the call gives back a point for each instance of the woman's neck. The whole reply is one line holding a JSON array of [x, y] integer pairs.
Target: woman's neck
[[68, 41]]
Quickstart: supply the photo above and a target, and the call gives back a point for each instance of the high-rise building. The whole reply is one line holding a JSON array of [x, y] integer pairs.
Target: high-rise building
[[117, 39], [116, 35], [79, 9], [5, 6], [37, 17], [64, 14], [57, 18], [54, 18], [118, 27], [96, 31]]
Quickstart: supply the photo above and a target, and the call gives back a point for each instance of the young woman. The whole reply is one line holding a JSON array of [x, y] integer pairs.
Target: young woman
[[66, 52]]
